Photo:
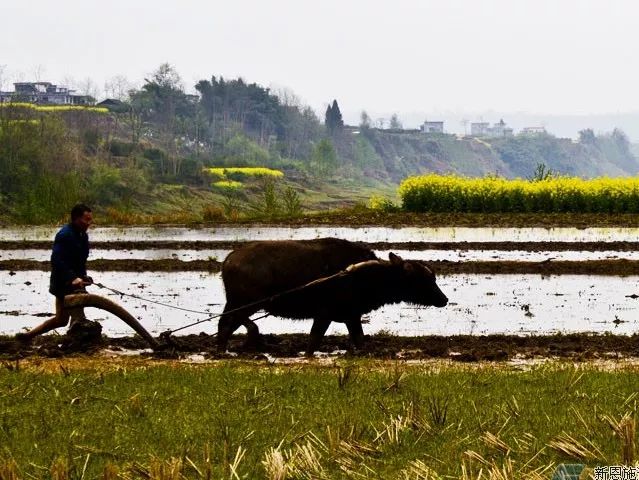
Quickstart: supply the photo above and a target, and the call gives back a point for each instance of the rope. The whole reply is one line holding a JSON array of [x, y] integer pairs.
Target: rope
[[118, 292], [217, 315]]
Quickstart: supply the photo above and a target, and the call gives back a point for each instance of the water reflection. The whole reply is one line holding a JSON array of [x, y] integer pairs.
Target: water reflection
[[368, 234]]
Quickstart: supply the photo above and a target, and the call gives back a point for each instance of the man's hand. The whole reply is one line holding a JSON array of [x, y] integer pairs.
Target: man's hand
[[77, 283]]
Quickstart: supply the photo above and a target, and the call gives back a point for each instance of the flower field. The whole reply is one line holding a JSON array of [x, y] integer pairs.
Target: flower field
[[451, 193], [53, 108], [230, 172]]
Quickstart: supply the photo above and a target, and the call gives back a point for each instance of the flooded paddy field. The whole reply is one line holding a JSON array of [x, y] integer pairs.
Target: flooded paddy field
[[462, 253], [519, 283], [368, 234], [479, 305]]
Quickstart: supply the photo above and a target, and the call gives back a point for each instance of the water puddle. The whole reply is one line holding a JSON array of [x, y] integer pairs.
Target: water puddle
[[368, 234], [451, 255]]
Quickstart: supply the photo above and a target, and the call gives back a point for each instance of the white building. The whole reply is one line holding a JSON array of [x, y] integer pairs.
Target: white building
[[44, 93], [533, 131], [483, 129], [479, 129], [432, 127]]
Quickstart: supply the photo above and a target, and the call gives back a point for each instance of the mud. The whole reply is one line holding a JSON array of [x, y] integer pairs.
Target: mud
[[532, 246], [462, 348], [619, 267]]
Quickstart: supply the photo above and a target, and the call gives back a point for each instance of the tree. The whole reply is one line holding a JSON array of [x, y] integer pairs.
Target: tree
[[89, 88], [324, 160], [118, 87], [587, 137], [394, 123], [333, 118], [364, 120]]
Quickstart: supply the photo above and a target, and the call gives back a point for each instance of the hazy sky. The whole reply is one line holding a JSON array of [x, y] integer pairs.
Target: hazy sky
[[541, 56]]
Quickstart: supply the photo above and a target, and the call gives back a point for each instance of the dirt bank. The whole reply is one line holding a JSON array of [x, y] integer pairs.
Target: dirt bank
[[412, 246], [442, 267], [463, 348]]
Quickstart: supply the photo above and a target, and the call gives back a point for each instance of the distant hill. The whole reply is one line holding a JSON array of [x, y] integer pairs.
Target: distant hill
[[403, 154]]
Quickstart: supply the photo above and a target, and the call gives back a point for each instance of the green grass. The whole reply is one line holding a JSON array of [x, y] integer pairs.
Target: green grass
[[351, 420]]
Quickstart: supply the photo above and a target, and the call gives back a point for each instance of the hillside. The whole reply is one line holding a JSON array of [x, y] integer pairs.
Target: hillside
[[404, 154], [152, 154]]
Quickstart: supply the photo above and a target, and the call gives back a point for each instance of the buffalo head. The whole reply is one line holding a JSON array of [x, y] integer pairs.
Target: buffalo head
[[417, 282]]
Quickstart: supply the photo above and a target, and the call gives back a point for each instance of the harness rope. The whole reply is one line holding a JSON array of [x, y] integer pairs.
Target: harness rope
[[217, 315]]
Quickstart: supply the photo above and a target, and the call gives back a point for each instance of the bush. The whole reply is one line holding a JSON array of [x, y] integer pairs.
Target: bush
[[382, 204], [212, 213], [121, 149]]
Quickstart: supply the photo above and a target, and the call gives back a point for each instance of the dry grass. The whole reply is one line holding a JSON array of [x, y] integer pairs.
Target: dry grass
[[568, 445], [625, 430]]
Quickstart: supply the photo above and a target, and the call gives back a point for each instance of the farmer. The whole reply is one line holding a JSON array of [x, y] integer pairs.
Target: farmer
[[68, 270]]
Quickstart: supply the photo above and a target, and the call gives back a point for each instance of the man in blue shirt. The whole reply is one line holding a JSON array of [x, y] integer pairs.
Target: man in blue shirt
[[68, 269]]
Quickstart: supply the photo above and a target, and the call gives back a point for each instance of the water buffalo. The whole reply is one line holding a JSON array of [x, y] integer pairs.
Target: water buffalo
[[256, 274]]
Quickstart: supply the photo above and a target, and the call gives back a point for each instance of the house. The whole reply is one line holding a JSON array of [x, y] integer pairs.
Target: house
[[479, 129], [533, 131], [45, 93], [113, 104], [483, 129], [432, 127], [500, 130]]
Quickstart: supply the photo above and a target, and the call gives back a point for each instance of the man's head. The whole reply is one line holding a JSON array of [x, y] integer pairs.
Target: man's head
[[81, 216]]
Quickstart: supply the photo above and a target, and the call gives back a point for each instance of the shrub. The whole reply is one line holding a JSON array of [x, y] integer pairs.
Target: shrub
[[382, 204]]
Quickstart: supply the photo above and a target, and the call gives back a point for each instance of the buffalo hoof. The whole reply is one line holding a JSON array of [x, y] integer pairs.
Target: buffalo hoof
[[253, 345]]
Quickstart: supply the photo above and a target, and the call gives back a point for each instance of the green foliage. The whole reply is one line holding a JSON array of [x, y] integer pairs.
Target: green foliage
[[292, 205], [324, 159], [382, 204], [48, 198], [542, 172], [40, 175], [242, 151], [226, 104], [268, 204], [105, 184], [333, 118], [232, 204], [365, 156], [395, 123], [119, 148], [90, 140]]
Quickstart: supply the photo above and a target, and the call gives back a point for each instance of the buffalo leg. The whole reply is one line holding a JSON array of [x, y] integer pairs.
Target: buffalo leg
[[228, 323], [318, 330], [356, 332], [252, 334]]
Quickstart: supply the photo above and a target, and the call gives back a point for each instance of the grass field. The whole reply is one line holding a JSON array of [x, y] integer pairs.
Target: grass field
[[92, 418]]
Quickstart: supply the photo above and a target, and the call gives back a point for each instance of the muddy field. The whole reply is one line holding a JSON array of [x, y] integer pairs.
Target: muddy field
[[532, 246], [620, 267], [461, 348]]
